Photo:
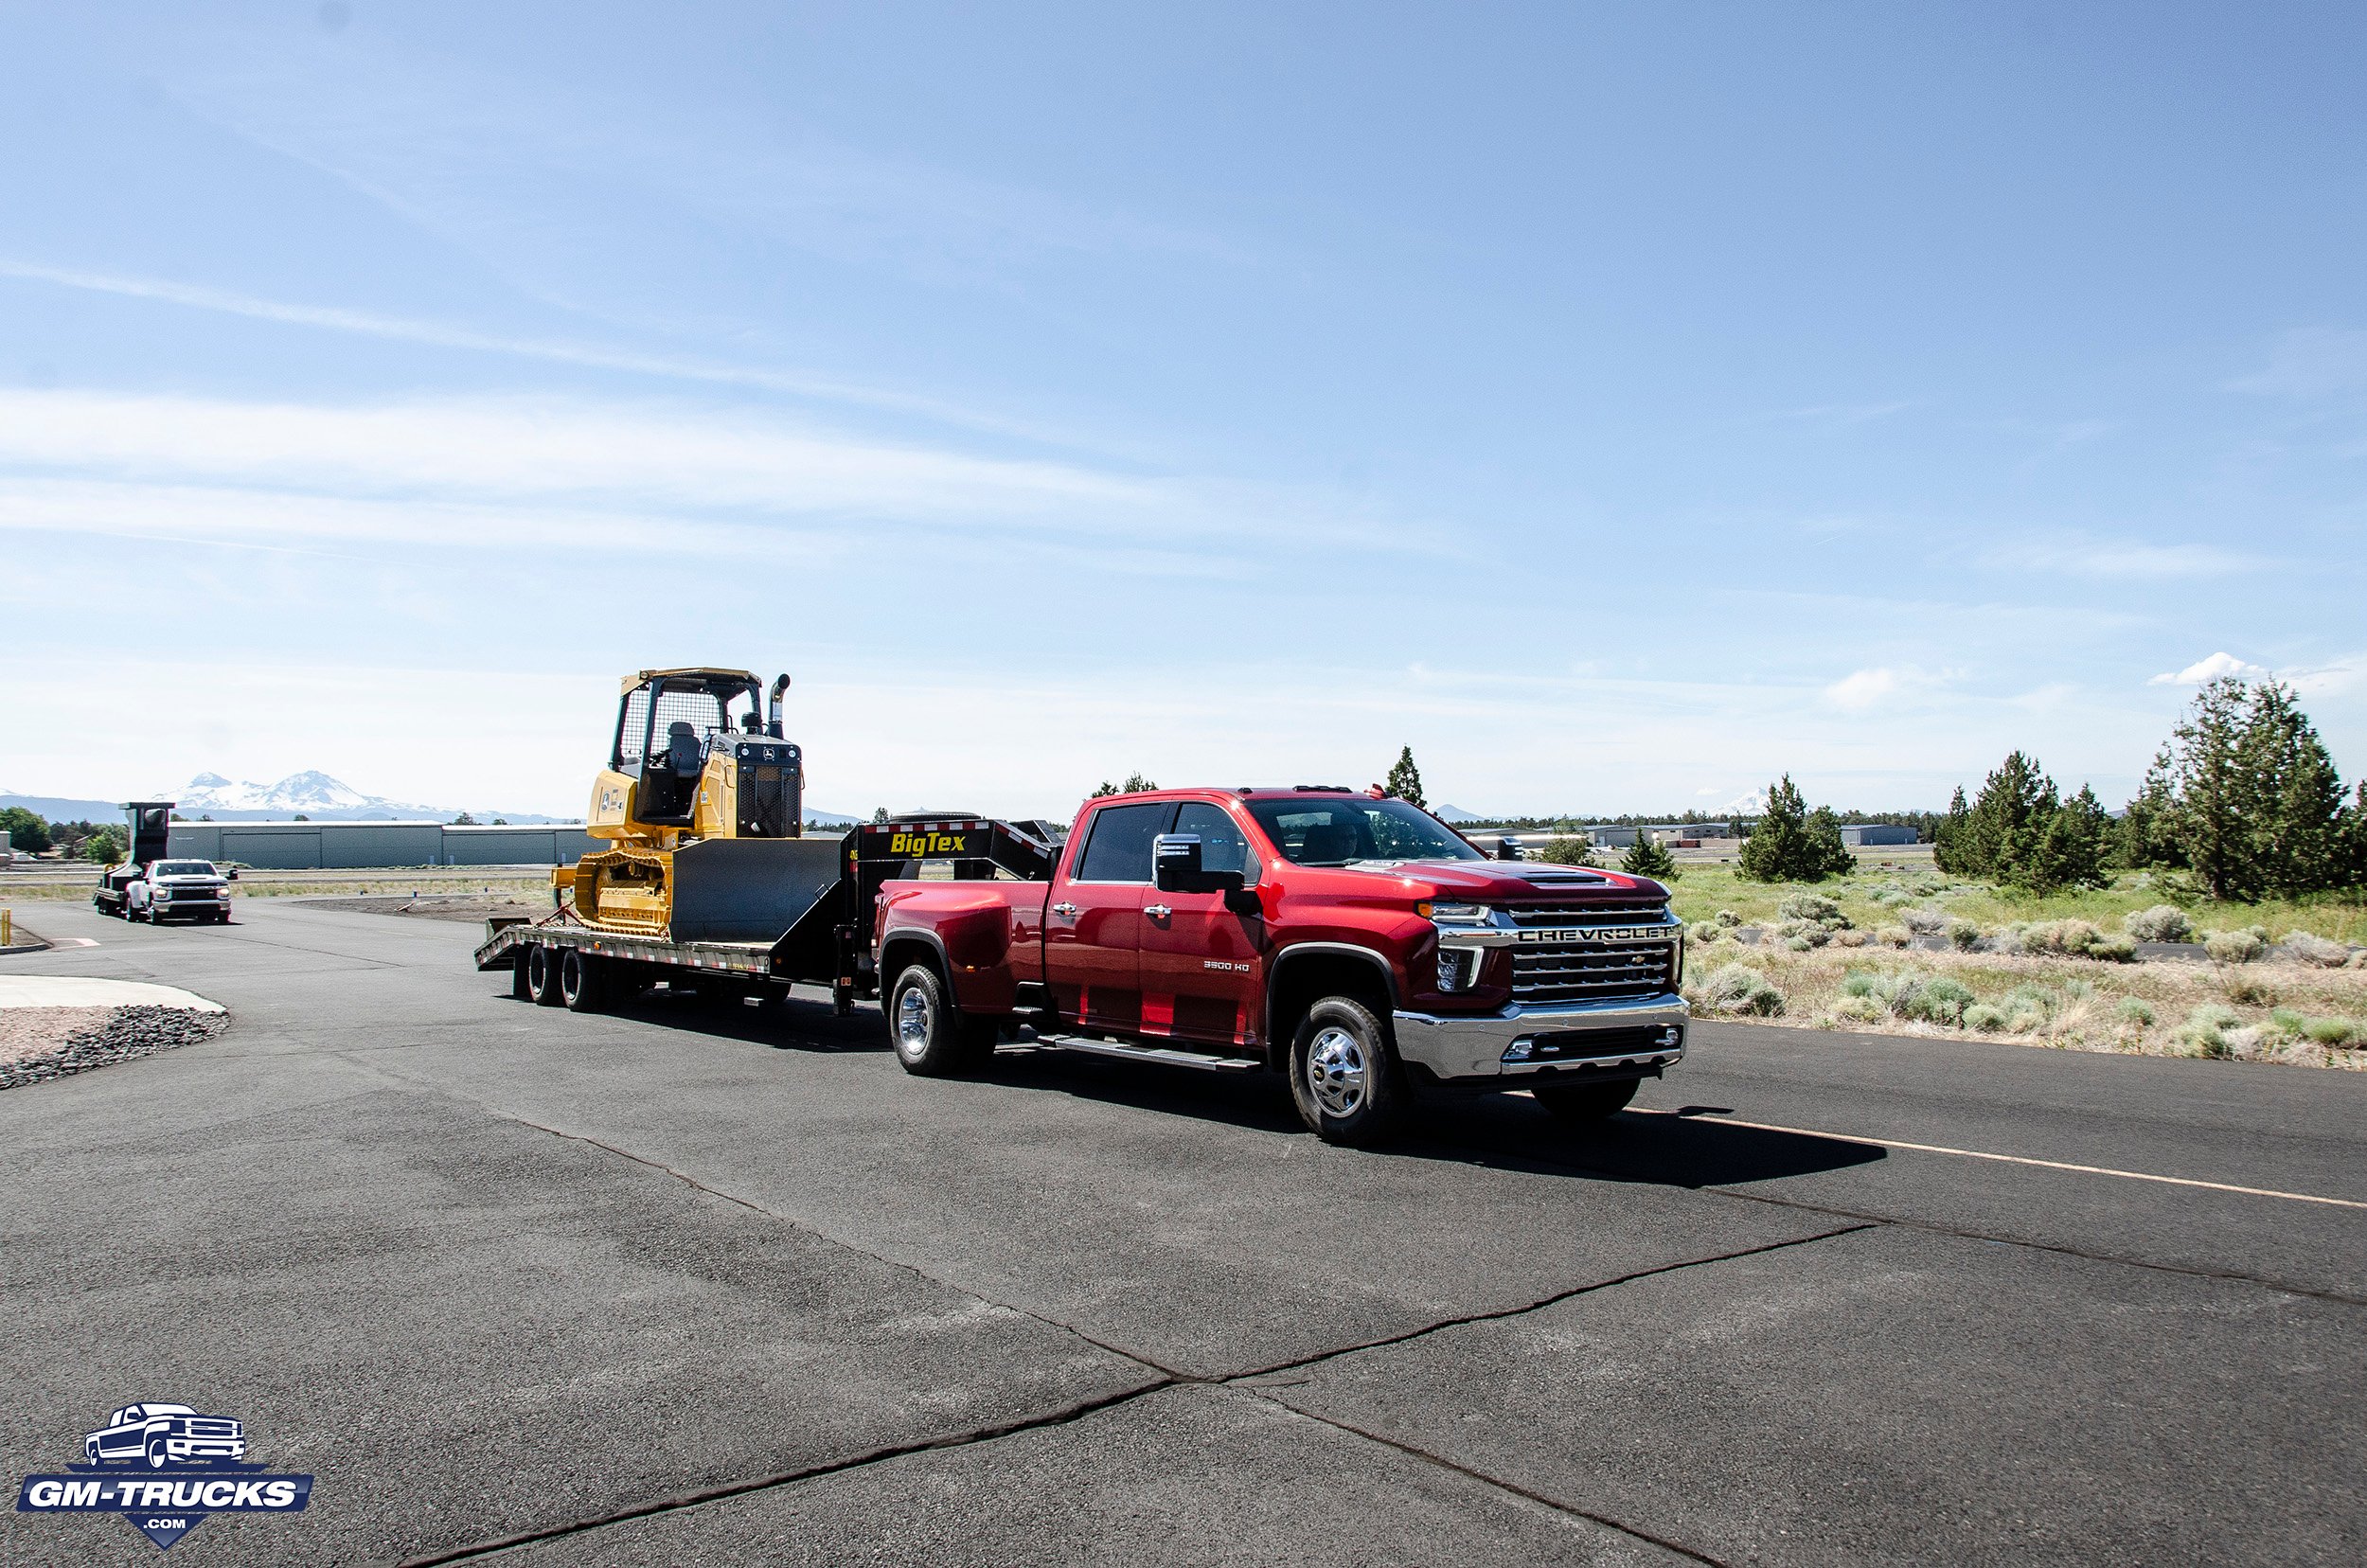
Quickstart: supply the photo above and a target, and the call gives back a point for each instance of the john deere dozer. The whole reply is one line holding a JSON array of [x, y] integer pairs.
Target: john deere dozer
[[702, 806]]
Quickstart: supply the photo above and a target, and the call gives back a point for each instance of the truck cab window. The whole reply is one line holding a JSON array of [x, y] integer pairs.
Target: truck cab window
[[1222, 845], [1118, 847]]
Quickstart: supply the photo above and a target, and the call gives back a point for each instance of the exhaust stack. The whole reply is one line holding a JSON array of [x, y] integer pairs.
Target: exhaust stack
[[773, 717]]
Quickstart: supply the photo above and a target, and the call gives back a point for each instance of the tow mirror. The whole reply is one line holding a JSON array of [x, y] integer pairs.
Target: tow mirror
[[1175, 868], [1508, 848]]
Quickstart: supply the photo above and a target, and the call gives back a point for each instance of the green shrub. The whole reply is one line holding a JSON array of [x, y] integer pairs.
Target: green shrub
[[2205, 1030], [2162, 924], [2135, 1010], [1728, 917], [2287, 1022], [2242, 945], [1963, 934], [2332, 1032], [1924, 923], [2310, 948], [1862, 1010], [1740, 988], [1813, 906], [1937, 1001], [1983, 1017], [1571, 851], [1898, 935]]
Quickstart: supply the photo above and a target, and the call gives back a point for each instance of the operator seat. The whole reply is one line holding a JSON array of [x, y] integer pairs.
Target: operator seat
[[682, 750]]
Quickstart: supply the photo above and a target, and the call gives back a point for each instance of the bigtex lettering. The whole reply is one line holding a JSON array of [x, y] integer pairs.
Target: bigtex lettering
[[928, 844], [223, 1494]]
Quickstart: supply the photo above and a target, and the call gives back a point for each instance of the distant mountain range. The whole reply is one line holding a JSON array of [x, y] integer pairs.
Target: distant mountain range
[[310, 794]]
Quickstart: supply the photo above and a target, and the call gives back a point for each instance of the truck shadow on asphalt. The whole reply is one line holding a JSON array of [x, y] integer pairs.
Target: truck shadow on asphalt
[[1493, 1131]]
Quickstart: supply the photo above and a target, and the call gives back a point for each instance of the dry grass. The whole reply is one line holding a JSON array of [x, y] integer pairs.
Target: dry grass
[[2288, 1013], [1876, 895]]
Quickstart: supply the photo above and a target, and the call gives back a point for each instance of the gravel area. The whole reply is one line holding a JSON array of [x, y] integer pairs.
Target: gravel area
[[40, 1044], [433, 907]]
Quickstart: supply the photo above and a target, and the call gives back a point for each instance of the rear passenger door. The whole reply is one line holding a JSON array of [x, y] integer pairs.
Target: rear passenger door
[[1093, 928]]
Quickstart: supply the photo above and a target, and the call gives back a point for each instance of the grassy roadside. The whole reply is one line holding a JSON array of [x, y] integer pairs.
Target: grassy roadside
[[1850, 978], [1873, 898]]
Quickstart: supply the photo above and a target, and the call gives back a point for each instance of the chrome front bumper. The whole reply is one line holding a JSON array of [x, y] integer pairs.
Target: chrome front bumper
[[1463, 1046]]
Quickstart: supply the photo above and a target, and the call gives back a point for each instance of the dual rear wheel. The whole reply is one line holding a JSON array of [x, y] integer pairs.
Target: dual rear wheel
[[560, 977]]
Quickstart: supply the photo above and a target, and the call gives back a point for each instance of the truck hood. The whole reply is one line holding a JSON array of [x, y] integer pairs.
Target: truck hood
[[1509, 882]]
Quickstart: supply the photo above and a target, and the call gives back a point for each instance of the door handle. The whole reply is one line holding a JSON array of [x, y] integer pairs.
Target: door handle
[[1157, 912], [1063, 909]]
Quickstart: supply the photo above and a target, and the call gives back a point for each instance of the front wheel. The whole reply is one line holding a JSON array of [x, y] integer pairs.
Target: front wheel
[[1343, 1074], [933, 1038], [158, 1455], [1585, 1102]]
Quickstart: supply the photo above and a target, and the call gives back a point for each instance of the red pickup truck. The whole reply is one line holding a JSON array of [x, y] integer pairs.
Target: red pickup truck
[[1347, 938]]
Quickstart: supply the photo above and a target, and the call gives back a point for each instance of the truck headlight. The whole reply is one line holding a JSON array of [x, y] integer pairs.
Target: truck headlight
[[1457, 914], [1456, 966]]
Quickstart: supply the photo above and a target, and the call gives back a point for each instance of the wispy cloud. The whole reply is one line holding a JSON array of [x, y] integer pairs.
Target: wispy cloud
[[2311, 362], [2212, 669], [554, 350], [2127, 558]]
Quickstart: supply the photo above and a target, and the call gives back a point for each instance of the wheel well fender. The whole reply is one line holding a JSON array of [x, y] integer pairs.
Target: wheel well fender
[[907, 946], [1303, 974]]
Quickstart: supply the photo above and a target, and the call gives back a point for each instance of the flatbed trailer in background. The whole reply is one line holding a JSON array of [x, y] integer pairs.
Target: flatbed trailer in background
[[559, 960]]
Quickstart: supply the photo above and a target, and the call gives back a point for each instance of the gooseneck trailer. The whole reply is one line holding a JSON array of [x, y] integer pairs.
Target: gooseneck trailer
[[810, 922]]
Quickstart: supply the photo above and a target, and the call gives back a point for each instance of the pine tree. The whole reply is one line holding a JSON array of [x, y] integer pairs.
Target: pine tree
[[1792, 844], [1999, 838], [1646, 858], [1949, 833], [2211, 784], [2300, 831], [2073, 849], [1405, 780]]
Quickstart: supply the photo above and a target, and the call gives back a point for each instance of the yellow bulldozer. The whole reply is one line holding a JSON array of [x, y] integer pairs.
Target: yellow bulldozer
[[701, 808]]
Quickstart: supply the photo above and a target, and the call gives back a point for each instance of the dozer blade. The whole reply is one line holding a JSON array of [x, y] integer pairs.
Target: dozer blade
[[748, 890]]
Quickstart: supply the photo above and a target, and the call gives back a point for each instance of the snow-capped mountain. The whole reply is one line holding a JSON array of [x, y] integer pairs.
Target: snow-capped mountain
[[301, 792], [314, 795]]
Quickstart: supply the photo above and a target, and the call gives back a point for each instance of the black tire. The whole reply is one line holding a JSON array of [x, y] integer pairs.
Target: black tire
[[542, 975], [1582, 1103], [580, 981], [929, 1036], [1345, 1077], [518, 986]]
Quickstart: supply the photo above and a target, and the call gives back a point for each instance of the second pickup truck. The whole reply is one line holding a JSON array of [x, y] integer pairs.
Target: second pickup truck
[[1350, 941]]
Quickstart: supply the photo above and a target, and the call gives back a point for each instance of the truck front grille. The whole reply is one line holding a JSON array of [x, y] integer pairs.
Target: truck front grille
[[1588, 971], [1597, 911]]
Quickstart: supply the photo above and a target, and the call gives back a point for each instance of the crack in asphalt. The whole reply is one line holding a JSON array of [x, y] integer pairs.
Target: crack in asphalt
[[1164, 1377], [1498, 1481]]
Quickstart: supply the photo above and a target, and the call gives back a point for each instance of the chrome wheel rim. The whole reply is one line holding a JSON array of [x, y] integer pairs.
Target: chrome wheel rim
[[912, 1021], [1337, 1071]]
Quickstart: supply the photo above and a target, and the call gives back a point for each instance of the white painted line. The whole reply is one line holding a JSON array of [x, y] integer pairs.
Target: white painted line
[[2025, 1160]]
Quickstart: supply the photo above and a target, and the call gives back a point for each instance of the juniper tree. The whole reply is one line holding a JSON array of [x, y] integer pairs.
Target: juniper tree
[[1792, 844], [1646, 858], [1405, 780]]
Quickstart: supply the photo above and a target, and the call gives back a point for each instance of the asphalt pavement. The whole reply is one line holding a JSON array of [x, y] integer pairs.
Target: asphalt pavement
[[683, 1285]]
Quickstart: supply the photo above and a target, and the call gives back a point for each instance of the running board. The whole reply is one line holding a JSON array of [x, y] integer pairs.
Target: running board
[[1197, 1060]]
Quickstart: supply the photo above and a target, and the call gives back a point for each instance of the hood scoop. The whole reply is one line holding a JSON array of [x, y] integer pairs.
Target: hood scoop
[[1560, 878]]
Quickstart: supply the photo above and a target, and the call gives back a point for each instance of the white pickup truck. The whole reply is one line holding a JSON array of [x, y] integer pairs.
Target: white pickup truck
[[162, 1434]]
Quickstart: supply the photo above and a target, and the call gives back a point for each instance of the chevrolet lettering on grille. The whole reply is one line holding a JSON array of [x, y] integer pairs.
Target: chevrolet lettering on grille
[[1601, 933]]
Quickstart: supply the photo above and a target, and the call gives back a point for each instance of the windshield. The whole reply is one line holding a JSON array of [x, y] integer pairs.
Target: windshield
[[1336, 832], [183, 869]]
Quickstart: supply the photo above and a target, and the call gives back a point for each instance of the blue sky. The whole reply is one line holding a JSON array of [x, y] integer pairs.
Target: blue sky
[[1619, 406]]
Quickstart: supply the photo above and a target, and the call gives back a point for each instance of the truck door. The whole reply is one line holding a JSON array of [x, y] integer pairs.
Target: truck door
[[1092, 927], [1201, 961]]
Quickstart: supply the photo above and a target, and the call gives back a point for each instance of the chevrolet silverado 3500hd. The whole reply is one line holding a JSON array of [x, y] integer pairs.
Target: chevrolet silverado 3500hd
[[1349, 939]]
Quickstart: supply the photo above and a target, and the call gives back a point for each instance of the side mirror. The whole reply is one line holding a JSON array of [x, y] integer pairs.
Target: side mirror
[[232, 874], [1508, 848], [1175, 868]]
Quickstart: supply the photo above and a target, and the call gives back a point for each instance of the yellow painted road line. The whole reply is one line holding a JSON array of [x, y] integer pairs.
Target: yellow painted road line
[[2025, 1160]]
